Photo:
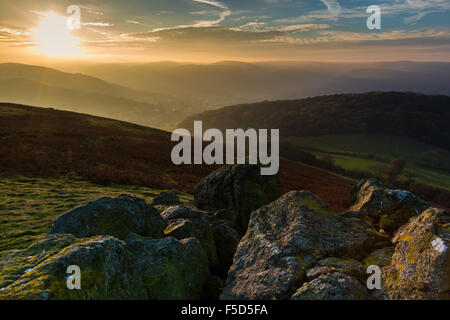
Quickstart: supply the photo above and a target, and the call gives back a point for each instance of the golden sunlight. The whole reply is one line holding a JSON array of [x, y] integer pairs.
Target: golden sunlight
[[54, 38]]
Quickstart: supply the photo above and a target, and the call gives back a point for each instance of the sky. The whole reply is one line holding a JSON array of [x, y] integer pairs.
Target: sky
[[208, 30]]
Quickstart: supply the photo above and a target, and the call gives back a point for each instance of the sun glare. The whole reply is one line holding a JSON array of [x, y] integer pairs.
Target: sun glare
[[54, 38]]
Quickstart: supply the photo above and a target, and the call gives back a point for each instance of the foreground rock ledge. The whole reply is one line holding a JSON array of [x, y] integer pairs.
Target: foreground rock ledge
[[289, 236]]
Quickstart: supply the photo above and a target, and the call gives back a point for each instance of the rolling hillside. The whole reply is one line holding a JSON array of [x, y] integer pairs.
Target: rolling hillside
[[41, 142], [35, 85], [424, 118], [357, 135]]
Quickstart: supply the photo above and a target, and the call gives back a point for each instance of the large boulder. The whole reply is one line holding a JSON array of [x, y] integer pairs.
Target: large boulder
[[420, 267], [116, 217], [170, 269], [240, 188], [287, 237], [40, 271], [388, 209]]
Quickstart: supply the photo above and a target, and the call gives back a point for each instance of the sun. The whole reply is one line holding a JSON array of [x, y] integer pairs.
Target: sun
[[54, 38]]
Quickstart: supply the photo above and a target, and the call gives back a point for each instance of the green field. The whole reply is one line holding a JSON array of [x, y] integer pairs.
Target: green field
[[28, 206], [382, 146]]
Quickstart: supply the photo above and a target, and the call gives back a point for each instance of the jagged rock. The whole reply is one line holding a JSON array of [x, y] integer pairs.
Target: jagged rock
[[218, 237], [167, 198], [332, 286], [420, 267], [350, 267], [200, 229], [40, 271], [226, 214], [116, 217], [170, 269], [182, 212], [287, 237], [389, 209], [227, 240], [240, 188]]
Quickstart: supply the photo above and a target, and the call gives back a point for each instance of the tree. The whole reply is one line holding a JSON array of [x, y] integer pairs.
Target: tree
[[396, 168]]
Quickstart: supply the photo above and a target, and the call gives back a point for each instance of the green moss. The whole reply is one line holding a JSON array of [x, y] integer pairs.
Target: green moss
[[166, 284]]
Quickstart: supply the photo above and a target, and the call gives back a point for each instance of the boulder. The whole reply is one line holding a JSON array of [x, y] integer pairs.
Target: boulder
[[380, 257], [227, 240], [287, 237], [332, 286], [350, 267], [240, 188], [182, 212], [115, 217], [40, 271], [388, 209], [170, 269], [167, 198], [226, 214], [196, 228], [420, 267]]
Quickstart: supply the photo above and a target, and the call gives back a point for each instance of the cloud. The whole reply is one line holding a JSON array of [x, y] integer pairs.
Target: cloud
[[213, 3], [249, 33], [398, 37], [203, 23], [97, 24]]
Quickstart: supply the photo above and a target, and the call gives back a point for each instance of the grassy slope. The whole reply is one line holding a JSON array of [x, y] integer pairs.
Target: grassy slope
[[28, 206], [52, 161], [383, 146]]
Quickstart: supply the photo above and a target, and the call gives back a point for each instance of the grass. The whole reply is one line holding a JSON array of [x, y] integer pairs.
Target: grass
[[384, 147], [29, 206]]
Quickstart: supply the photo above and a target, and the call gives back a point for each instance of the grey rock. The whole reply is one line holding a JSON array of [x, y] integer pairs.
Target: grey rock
[[240, 188], [116, 217], [389, 209], [40, 270], [200, 229], [170, 269], [420, 267], [332, 286], [289, 236], [167, 198]]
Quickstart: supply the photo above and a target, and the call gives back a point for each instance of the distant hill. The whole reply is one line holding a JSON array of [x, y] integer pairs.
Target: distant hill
[[34, 85], [232, 82], [43, 142], [425, 118]]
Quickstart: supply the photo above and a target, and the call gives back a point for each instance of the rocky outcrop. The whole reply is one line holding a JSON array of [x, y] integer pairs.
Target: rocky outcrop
[[218, 237], [388, 209], [288, 237], [420, 267], [294, 247], [199, 229], [115, 217], [240, 188]]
